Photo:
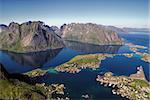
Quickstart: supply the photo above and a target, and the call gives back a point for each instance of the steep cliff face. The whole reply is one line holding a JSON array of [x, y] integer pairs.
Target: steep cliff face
[[90, 33], [29, 36]]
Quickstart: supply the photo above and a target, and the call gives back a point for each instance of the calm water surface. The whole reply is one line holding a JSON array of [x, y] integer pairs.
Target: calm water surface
[[83, 82]]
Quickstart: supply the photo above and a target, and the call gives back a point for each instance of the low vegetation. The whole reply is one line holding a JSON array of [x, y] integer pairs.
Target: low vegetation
[[19, 90], [15, 89], [79, 62]]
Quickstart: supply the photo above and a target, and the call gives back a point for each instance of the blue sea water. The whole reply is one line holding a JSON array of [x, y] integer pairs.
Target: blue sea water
[[83, 82], [137, 38]]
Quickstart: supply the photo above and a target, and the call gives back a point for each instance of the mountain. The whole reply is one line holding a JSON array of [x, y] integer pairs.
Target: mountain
[[126, 29], [35, 36], [28, 37], [3, 27], [56, 30], [116, 29], [90, 33]]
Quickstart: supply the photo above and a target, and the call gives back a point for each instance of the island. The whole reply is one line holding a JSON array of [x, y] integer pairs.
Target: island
[[91, 61], [134, 87]]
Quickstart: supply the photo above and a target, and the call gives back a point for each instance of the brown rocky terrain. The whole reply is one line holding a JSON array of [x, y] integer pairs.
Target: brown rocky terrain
[[28, 37], [90, 33]]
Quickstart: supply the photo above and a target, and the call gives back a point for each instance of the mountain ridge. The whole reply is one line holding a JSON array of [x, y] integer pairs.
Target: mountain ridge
[[36, 36], [90, 33]]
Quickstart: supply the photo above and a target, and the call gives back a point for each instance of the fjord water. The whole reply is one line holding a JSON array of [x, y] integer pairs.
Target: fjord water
[[83, 82]]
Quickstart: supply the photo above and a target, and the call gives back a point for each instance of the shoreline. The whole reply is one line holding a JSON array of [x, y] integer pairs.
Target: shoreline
[[131, 87]]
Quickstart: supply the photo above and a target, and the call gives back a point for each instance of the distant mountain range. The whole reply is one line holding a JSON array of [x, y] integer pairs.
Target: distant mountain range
[[127, 30], [36, 36], [136, 30]]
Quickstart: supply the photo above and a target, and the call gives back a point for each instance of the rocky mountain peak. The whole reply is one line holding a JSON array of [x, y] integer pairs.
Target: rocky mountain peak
[[14, 27], [30, 36]]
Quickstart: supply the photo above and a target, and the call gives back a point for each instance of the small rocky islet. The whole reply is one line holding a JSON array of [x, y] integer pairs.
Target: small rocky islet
[[134, 48]]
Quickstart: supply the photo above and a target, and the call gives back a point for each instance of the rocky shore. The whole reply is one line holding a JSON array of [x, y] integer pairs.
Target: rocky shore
[[134, 87]]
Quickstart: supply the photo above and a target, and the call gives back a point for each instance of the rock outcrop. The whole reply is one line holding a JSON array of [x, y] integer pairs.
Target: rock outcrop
[[90, 33], [56, 30], [28, 37]]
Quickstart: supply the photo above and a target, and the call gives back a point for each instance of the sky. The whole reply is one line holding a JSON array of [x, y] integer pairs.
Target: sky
[[120, 13]]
